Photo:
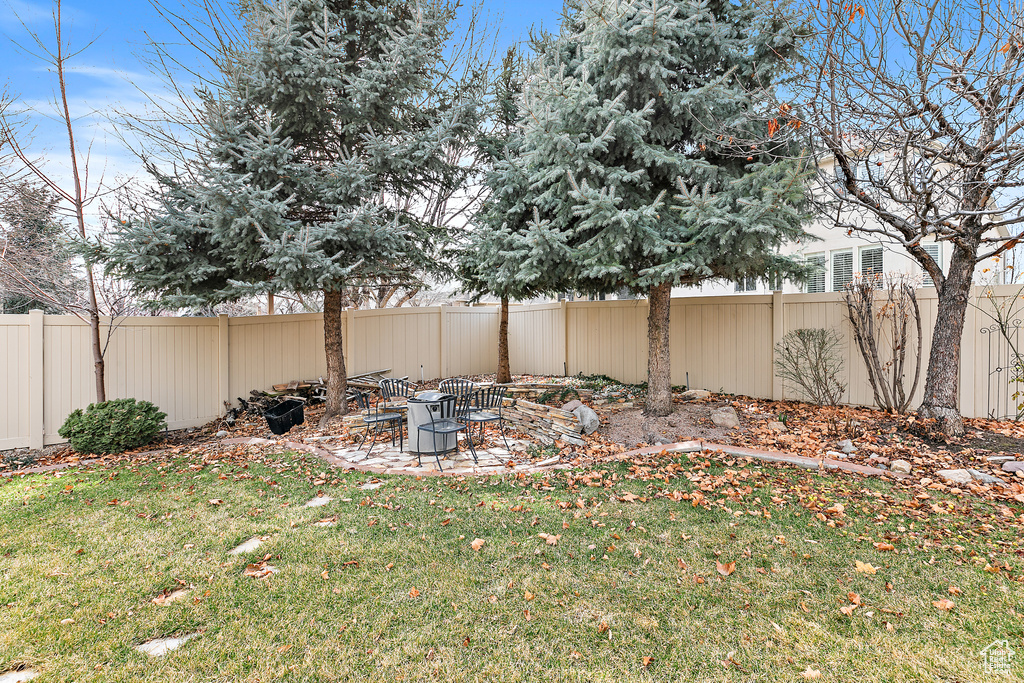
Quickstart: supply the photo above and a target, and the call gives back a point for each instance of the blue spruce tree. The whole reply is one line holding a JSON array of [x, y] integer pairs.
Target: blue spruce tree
[[320, 133], [634, 183]]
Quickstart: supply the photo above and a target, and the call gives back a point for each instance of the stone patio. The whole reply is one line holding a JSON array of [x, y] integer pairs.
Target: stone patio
[[387, 459]]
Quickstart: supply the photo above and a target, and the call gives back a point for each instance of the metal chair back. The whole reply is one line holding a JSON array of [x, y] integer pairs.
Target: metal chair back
[[490, 398], [458, 386], [394, 388]]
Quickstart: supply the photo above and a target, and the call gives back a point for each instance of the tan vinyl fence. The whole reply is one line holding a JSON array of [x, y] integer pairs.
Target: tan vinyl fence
[[191, 366]]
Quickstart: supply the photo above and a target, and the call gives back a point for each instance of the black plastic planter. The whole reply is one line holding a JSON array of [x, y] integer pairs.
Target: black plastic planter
[[284, 416]]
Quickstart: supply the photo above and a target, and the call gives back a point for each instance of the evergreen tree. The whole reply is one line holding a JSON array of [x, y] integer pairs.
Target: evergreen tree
[[497, 242], [621, 116], [321, 132], [36, 259]]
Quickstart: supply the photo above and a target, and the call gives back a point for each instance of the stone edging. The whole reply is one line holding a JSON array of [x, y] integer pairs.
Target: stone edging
[[781, 457], [335, 461]]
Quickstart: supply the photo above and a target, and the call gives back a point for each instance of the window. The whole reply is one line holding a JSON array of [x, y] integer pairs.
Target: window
[[842, 269], [816, 283], [871, 262], [747, 284], [935, 251]]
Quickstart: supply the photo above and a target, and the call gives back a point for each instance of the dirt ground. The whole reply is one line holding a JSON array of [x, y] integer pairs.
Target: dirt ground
[[631, 428]]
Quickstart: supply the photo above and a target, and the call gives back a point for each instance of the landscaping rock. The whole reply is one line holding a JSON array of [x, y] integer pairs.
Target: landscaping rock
[[837, 454], [572, 405], [695, 395], [900, 466], [318, 501], [846, 446], [986, 478], [247, 547], [161, 646], [999, 458], [589, 421], [955, 476], [221, 434], [18, 676], [369, 486], [1014, 466], [725, 417], [778, 427]]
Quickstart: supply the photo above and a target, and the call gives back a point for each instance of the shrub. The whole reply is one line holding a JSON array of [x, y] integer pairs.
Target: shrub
[[113, 426], [810, 359]]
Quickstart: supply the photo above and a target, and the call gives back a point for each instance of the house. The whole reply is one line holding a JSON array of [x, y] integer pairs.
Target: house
[[839, 256]]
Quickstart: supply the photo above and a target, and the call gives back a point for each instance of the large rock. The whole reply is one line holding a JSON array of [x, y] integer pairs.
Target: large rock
[[572, 405], [695, 395], [846, 446], [777, 427], [900, 466], [986, 478], [589, 421], [956, 476], [725, 417], [1015, 466]]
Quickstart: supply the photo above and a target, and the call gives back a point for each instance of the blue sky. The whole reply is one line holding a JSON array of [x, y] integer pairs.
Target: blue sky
[[107, 76]]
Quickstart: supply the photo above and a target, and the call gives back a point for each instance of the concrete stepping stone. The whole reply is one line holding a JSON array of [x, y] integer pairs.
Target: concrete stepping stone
[[174, 596], [158, 647], [246, 547], [318, 501], [18, 676]]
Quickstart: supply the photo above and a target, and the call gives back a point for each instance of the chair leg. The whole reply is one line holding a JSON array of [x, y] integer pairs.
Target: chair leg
[[472, 448], [501, 430], [376, 431], [436, 456]]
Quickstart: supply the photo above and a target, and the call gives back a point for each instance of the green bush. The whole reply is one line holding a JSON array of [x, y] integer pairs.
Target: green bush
[[113, 426]]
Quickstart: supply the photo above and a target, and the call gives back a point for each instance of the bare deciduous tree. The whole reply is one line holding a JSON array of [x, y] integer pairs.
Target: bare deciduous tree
[[76, 194], [914, 112], [886, 324]]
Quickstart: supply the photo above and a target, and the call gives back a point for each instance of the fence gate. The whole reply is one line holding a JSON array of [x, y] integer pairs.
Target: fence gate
[[1004, 375]]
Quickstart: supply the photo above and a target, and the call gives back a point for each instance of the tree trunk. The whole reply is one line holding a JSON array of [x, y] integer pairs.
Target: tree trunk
[[337, 379], [942, 386], [659, 367], [99, 365], [504, 371]]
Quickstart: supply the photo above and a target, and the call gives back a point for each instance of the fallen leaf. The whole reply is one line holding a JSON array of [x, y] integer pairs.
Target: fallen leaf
[[528, 596], [389, 565], [414, 593], [811, 674], [865, 567], [884, 547], [527, 615], [216, 501], [284, 648], [945, 604], [325, 574], [647, 661], [854, 598], [848, 610], [602, 627], [953, 590], [726, 569], [465, 643], [550, 539], [477, 544]]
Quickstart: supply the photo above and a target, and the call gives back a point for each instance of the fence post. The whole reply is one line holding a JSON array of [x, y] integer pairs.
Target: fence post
[[224, 361], [36, 428], [778, 331], [443, 367], [565, 337], [349, 351]]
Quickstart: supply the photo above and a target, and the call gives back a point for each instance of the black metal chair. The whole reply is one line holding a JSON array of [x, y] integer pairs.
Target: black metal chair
[[396, 388], [377, 417], [487, 406], [443, 421], [458, 386]]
